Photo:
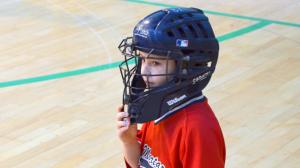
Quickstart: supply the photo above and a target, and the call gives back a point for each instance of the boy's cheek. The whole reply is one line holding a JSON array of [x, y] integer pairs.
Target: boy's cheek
[[159, 80]]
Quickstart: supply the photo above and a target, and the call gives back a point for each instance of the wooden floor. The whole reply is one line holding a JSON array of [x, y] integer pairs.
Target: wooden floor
[[60, 86]]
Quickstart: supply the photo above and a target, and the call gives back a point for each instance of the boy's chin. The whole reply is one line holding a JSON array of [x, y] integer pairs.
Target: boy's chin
[[151, 85]]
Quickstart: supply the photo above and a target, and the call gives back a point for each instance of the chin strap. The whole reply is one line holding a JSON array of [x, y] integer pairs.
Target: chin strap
[[179, 107]]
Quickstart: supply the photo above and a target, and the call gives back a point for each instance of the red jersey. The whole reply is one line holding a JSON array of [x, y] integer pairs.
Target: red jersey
[[189, 138]]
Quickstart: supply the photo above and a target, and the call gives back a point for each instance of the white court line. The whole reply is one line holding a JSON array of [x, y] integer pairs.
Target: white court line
[[97, 35], [109, 26], [121, 24], [91, 13], [94, 31]]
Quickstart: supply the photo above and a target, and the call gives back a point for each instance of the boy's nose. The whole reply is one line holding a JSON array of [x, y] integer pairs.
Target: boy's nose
[[145, 70]]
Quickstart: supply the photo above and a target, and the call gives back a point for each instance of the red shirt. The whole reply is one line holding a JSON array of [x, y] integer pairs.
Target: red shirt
[[190, 138]]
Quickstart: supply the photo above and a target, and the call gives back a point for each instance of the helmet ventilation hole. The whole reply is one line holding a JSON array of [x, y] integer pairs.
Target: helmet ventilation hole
[[172, 20], [180, 16], [170, 33], [191, 28], [190, 14], [181, 32], [202, 29], [187, 51]]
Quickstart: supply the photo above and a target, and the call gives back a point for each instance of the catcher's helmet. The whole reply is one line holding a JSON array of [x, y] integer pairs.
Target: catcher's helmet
[[181, 34]]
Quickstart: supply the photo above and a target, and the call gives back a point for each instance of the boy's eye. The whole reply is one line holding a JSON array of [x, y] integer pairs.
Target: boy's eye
[[155, 63]]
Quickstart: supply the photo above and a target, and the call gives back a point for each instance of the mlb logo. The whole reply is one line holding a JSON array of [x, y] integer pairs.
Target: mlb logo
[[182, 43]]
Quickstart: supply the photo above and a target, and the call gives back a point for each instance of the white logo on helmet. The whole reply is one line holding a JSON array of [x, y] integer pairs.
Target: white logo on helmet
[[201, 77], [142, 32], [182, 43], [176, 100]]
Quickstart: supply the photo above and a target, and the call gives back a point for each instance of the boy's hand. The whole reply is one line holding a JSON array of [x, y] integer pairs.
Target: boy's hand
[[126, 131]]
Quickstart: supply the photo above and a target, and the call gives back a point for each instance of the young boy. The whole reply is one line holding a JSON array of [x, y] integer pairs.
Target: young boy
[[168, 62]]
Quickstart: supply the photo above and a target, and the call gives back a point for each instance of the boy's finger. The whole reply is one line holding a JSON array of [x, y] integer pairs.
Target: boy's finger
[[124, 123], [122, 115], [121, 124]]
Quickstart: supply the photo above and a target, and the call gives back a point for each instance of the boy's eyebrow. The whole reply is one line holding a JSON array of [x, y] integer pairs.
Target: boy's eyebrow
[[155, 58], [152, 56]]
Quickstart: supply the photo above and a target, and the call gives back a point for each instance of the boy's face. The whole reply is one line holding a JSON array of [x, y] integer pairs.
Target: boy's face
[[153, 66]]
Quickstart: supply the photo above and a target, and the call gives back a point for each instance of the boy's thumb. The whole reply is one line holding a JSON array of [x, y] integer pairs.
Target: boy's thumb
[[121, 108]]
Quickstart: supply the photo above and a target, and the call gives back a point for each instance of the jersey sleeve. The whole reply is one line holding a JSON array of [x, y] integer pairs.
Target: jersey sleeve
[[203, 147]]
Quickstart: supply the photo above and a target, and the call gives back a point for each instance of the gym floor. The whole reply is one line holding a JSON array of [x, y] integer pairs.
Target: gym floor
[[60, 83]]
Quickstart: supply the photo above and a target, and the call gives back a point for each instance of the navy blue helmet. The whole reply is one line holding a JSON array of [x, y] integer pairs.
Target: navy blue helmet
[[181, 34]]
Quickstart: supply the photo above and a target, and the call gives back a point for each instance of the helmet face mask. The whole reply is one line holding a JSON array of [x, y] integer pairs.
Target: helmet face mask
[[195, 58], [132, 76]]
